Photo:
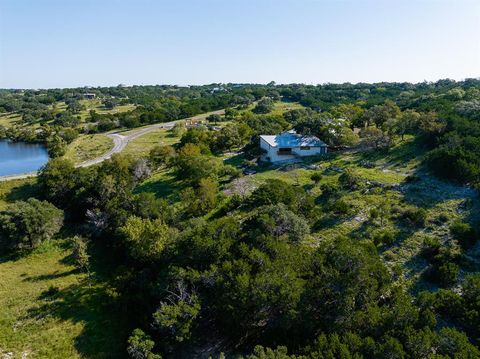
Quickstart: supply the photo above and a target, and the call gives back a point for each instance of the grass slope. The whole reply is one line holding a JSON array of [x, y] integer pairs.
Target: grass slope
[[49, 309], [96, 104], [87, 147], [141, 146], [386, 178]]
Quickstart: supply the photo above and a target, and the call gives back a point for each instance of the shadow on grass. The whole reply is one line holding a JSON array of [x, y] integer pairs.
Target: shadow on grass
[[55, 275], [7, 255], [22, 192], [89, 302], [396, 156], [103, 336], [236, 161], [327, 221], [429, 191], [165, 187]]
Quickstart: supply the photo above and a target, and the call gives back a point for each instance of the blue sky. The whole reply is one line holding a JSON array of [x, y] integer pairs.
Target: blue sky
[[68, 43]]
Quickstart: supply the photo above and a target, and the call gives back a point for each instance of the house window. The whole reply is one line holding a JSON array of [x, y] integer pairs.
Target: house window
[[304, 148], [284, 151]]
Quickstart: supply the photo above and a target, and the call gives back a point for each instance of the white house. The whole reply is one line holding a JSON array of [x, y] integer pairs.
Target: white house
[[289, 146]]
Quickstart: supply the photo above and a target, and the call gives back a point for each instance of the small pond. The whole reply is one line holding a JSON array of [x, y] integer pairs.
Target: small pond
[[18, 157]]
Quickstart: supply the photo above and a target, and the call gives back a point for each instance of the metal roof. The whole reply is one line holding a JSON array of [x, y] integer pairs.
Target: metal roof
[[289, 139]]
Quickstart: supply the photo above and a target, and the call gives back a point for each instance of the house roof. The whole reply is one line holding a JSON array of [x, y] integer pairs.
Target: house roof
[[291, 139]]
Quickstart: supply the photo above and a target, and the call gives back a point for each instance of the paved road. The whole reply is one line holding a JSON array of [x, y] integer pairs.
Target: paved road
[[120, 141]]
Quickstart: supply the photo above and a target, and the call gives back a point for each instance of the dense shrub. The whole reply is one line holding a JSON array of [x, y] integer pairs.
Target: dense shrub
[[383, 237], [349, 180], [277, 191], [340, 206], [265, 105], [415, 216], [463, 233], [279, 222], [316, 177], [28, 224], [446, 273], [329, 190], [430, 246]]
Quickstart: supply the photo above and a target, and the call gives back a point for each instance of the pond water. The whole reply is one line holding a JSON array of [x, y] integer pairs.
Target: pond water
[[18, 157]]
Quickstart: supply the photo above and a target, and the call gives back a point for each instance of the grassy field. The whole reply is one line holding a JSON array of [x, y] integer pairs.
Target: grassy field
[[162, 183], [9, 119], [97, 105], [51, 310], [87, 147], [142, 145], [279, 107]]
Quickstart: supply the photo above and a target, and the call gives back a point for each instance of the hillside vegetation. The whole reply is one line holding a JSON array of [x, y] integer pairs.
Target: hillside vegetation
[[186, 245]]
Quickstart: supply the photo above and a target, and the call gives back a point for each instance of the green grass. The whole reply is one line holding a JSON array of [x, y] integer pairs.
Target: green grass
[[96, 104], [50, 309], [281, 107], [162, 183], [141, 146], [12, 118], [87, 147], [9, 119]]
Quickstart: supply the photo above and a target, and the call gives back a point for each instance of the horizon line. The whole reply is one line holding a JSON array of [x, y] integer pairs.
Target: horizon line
[[243, 83]]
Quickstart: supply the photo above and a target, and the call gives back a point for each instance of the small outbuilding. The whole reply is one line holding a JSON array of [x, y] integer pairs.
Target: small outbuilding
[[290, 146]]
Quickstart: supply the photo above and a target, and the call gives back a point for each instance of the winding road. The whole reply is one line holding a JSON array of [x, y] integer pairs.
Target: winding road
[[120, 141]]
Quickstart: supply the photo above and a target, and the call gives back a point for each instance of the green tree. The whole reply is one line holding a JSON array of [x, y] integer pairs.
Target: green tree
[[140, 346], [265, 105], [379, 114], [349, 180], [352, 112], [407, 122], [80, 254], [207, 194], [145, 239], [214, 118], [56, 146], [57, 181], [176, 316], [110, 103], [375, 137], [279, 222], [199, 136], [192, 166], [178, 129], [316, 177], [276, 191], [27, 224]]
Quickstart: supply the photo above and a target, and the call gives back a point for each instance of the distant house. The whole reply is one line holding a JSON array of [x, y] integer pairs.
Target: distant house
[[289, 146], [89, 95]]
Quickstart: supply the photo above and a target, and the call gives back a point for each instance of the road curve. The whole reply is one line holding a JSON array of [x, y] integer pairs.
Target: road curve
[[120, 141]]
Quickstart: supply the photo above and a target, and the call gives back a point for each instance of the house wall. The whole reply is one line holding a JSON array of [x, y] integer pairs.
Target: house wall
[[313, 151], [271, 153], [273, 156]]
